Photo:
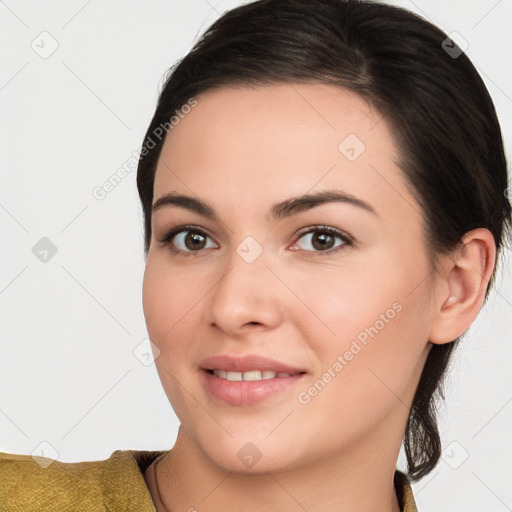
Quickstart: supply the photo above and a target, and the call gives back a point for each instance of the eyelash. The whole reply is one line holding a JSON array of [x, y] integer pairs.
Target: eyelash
[[347, 240]]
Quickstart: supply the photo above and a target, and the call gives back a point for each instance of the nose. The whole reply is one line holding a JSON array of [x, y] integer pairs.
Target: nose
[[248, 295]]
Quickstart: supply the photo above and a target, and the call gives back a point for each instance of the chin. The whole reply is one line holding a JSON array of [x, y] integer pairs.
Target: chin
[[249, 454]]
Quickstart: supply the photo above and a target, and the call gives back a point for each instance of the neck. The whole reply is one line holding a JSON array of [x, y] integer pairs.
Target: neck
[[361, 479]]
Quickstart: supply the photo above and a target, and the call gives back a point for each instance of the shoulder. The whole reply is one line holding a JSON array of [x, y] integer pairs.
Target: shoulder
[[403, 488], [37, 483]]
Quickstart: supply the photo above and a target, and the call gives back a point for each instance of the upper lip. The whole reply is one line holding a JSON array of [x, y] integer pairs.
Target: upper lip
[[246, 364]]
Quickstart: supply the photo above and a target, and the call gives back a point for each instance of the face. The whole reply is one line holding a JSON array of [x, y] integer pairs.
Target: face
[[335, 294]]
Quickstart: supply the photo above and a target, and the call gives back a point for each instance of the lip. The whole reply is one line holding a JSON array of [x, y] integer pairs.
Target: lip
[[247, 393], [247, 363]]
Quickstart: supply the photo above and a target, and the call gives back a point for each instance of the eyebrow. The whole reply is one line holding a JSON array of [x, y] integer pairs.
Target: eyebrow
[[278, 211]]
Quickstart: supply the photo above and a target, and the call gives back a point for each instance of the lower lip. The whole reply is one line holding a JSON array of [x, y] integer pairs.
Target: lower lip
[[247, 392]]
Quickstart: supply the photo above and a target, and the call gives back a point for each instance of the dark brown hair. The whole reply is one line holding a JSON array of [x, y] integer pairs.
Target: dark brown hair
[[440, 112]]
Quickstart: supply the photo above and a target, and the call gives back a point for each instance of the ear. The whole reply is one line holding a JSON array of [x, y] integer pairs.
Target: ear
[[463, 281]]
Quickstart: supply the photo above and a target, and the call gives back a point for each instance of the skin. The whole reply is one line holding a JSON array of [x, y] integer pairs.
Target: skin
[[241, 150]]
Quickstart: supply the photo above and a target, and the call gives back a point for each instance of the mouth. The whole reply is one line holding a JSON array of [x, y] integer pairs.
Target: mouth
[[248, 380], [251, 375], [255, 366]]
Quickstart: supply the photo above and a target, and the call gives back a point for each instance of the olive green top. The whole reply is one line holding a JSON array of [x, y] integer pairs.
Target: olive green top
[[33, 484]]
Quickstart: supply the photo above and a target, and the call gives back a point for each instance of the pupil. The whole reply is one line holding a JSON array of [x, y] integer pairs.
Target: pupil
[[196, 239], [321, 238]]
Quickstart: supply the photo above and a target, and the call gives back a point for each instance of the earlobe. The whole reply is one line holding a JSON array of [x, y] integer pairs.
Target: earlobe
[[463, 285]]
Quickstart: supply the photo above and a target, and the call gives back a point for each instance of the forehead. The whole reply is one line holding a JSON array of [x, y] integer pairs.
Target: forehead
[[256, 145]]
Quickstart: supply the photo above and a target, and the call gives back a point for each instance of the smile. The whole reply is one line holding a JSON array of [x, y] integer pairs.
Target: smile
[[250, 375], [250, 387]]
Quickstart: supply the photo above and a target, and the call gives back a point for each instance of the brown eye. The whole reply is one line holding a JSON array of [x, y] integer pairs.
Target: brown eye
[[194, 240], [190, 240], [323, 240], [186, 240]]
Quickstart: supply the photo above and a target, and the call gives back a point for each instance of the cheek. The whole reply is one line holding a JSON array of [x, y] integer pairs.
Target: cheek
[[341, 302], [380, 330], [373, 319], [168, 301]]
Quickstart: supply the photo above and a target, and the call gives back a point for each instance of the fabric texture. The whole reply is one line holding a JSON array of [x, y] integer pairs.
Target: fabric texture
[[117, 484]]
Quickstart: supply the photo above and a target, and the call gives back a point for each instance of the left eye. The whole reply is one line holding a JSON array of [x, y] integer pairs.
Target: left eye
[[322, 238]]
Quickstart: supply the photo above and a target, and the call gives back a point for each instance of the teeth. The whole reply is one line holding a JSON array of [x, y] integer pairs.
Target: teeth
[[252, 375], [249, 376]]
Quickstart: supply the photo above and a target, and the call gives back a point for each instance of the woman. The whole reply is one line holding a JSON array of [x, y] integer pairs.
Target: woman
[[323, 185]]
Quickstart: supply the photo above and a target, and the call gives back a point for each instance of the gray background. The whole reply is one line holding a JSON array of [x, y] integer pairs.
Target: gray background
[[78, 85]]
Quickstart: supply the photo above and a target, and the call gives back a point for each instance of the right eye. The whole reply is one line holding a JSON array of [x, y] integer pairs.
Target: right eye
[[189, 240]]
